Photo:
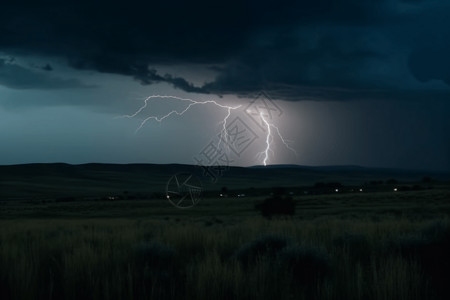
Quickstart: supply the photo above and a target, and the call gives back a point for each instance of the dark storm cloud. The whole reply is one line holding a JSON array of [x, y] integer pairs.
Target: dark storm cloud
[[320, 49], [139, 71], [431, 63], [47, 67], [17, 77], [358, 50], [91, 32]]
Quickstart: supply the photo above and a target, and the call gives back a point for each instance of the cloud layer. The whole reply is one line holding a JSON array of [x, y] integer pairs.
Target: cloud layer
[[15, 76], [310, 49]]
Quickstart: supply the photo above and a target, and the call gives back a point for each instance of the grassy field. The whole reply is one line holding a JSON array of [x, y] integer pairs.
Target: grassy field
[[347, 246], [352, 245]]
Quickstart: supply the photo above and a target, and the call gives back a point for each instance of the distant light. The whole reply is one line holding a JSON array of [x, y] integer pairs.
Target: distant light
[[395, 189], [336, 190], [221, 195], [360, 190]]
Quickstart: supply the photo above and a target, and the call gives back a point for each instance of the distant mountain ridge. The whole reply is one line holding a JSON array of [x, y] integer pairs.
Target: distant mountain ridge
[[347, 168], [337, 167], [70, 168], [41, 180]]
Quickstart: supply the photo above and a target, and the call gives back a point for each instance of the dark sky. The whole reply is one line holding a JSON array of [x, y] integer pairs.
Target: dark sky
[[363, 82]]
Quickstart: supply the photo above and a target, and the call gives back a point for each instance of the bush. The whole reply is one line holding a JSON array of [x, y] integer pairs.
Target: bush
[[433, 242], [307, 266], [154, 255], [431, 247], [264, 247], [357, 246], [277, 205]]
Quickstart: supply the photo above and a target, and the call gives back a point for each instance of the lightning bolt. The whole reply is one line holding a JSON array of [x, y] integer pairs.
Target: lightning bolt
[[269, 139], [190, 104], [224, 135]]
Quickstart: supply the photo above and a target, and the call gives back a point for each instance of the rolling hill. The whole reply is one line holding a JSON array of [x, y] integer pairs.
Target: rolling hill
[[59, 180]]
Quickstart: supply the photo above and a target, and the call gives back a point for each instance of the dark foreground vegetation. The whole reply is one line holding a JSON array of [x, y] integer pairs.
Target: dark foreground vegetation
[[254, 259], [373, 246], [383, 244]]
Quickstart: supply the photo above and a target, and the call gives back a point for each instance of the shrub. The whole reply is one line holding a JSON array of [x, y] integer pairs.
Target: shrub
[[154, 255], [356, 245], [277, 205], [306, 265], [431, 247], [267, 246]]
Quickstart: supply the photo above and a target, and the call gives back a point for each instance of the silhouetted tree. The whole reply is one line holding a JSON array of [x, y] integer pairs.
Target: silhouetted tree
[[224, 191], [277, 204]]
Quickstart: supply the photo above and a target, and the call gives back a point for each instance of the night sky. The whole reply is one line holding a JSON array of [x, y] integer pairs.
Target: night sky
[[351, 82]]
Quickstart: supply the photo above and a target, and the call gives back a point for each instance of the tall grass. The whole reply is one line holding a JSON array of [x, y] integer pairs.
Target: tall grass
[[129, 259]]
